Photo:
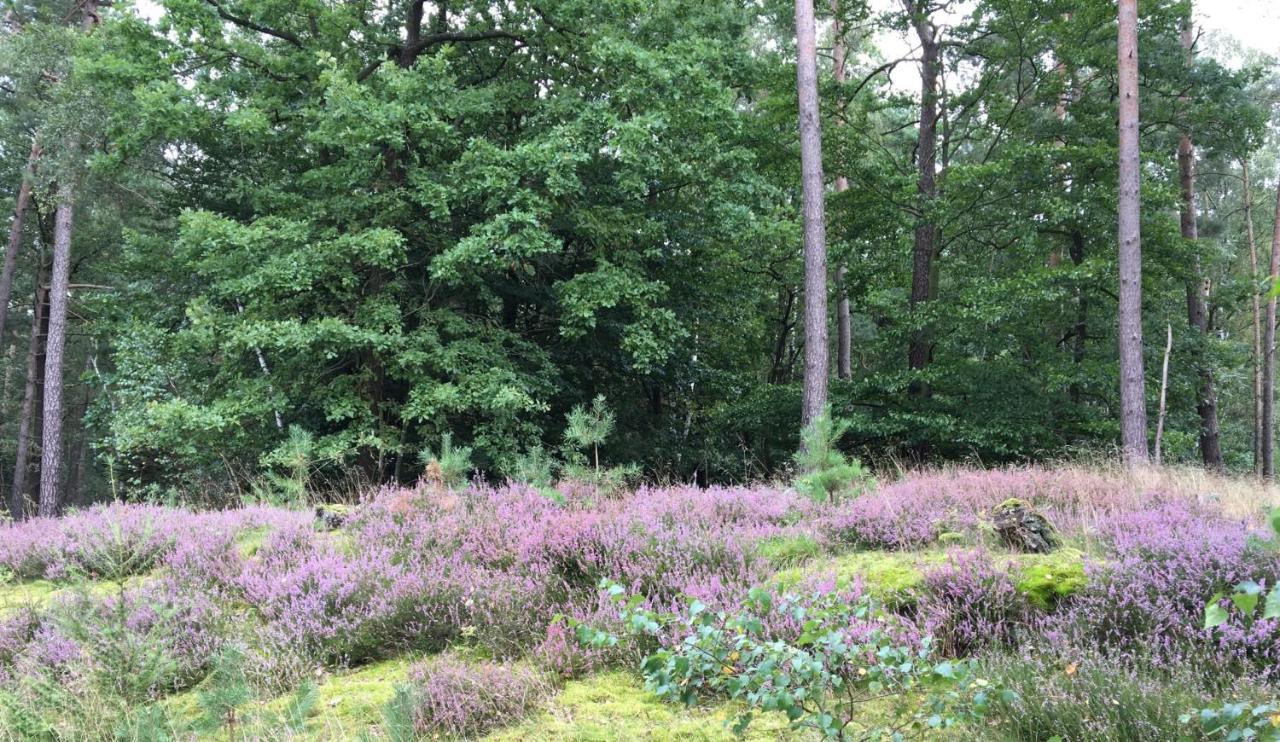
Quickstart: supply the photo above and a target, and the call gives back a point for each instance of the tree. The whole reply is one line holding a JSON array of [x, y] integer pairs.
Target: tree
[[1197, 288], [844, 324], [15, 234], [924, 251], [1269, 356], [816, 367], [1133, 412]]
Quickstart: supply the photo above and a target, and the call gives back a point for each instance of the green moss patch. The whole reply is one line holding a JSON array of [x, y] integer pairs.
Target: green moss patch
[[1048, 578], [890, 576], [15, 596], [615, 706]]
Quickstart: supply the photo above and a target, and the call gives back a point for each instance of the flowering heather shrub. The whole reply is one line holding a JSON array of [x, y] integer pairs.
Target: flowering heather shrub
[[968, 603], [450, 697], [912, 512], [1149, 596], [119, 540]]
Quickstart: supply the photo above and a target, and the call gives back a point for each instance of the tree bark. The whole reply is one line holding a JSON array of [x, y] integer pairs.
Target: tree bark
[[1164, 390], [1269, 356], [844, 323], [815, 249], [15, 236], [55, 345], [1133, 411], [1254, 278], [22, 459], [1197, 313], [920, 350]]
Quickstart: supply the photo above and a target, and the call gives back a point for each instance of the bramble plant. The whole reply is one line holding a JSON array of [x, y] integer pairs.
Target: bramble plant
[[825, 472], [845, 655]]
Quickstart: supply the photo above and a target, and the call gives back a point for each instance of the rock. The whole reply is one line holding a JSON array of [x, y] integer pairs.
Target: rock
[[1021, 528], [331, 517]]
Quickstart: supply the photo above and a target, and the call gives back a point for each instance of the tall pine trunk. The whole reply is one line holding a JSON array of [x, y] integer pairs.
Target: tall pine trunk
[[815, 249], [1133, 410], [1254, 278], [844, 323], [55, 345], [1197, 311], [15, 236], [1269, 357]]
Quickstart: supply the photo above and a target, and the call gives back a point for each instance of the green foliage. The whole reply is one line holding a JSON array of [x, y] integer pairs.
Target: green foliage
[[783, 552], [225, 694], [288, 476], [1235, 722], [589, 427], [1088, 697], [452, 463], [825, 472], [821, 681]]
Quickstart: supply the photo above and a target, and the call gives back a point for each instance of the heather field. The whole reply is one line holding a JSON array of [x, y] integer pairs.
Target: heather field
[[666, 613]]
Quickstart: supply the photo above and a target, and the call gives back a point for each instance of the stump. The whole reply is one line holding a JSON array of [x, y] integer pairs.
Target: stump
[[330, 517], [1022, 528]]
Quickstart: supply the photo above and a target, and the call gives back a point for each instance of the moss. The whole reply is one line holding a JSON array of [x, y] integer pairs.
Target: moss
[[615, 706], [250, 540], [15, 596], [1048, 578], [890, 576], [347, 705], [37, 594], [788, 551]]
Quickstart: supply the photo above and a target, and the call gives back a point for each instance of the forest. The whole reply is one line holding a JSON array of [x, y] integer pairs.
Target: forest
[[365, 228], [622, 369]]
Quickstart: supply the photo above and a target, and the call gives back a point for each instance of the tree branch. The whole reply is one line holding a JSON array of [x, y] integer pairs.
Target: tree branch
[[288, 36]]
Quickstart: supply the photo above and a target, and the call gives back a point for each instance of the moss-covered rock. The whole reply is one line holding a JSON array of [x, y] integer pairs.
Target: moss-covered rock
[[1023, 529]]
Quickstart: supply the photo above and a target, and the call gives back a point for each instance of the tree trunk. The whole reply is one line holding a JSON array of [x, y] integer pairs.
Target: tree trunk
[[920, 350], [1254, 279], [15, 236], [1080, 333], [1164, 390], [1197, 313], [815, 248], [1269, 356], [1133, 411], [844, 324], [22, 459], [55, 344]]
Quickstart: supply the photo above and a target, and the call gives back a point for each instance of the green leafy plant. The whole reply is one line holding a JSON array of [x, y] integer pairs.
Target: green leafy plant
[[821, 680], [1246, 596], [1236, 721], [825, 472]]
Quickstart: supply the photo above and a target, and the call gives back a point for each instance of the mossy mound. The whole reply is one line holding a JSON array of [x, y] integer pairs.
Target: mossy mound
[[615, 706]]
